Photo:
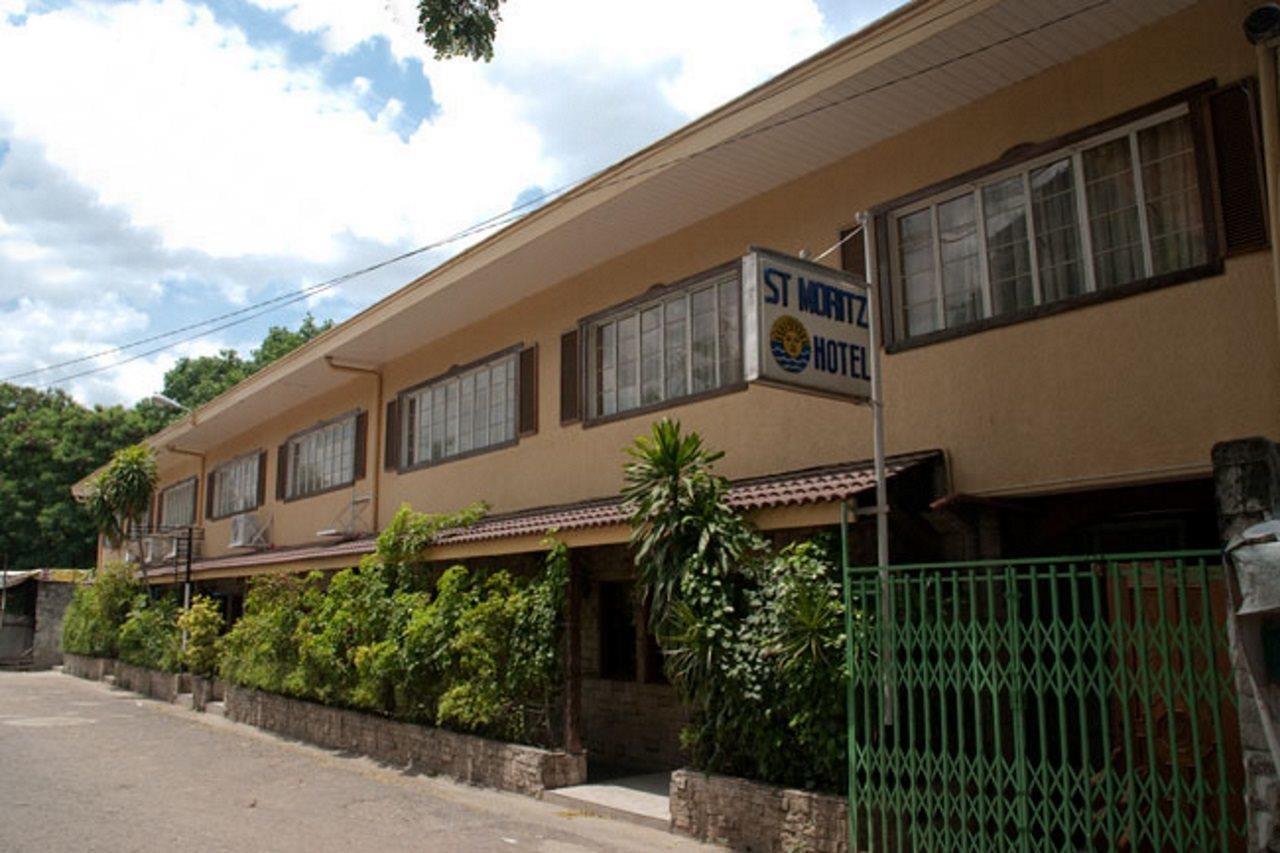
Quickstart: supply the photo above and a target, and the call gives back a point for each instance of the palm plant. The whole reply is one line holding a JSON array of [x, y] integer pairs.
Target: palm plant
[[681, 521], [120, 497]]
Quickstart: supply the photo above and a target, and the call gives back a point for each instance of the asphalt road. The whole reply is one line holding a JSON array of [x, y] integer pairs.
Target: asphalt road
[[86, 767]]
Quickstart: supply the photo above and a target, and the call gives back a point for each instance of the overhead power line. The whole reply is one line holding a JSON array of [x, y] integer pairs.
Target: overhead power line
[[276, 301], [251, 312]]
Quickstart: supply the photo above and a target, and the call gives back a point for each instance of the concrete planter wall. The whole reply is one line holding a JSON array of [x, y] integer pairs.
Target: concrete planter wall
[[205, 690], [479, 761], [83, 666], [149, 682], [751, 816]]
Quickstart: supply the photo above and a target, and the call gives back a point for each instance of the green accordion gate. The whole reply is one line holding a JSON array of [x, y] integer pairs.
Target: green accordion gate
[[1078, 703]]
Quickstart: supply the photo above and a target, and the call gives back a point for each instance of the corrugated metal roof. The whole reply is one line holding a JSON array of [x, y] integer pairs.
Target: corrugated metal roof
[[823, 484]]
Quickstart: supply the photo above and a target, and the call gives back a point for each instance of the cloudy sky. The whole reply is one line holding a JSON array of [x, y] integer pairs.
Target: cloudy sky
[[166, 161]]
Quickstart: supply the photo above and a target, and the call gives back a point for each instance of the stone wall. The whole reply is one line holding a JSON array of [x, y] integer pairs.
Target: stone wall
[[83, 666], [757, 818], [632, 724], [149, 682], [205, 690], [479, 761], [51, 604], [1246, 477]]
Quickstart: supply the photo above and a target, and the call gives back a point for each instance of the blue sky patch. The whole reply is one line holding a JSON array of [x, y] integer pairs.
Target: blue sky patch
[[389, 78]]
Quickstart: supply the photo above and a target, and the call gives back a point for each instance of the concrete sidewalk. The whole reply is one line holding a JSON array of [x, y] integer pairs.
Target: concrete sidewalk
[[86, 767]]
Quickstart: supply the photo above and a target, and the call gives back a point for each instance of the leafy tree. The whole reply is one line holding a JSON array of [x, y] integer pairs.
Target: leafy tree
[[195, 381], [460, 27], [280, 341], [48, 441]]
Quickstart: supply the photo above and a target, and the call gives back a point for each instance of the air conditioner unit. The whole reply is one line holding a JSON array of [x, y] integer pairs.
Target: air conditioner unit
[[156, 549], [249, 530]]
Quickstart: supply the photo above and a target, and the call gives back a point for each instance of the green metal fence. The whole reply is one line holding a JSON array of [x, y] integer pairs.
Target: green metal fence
[[1078, 703]]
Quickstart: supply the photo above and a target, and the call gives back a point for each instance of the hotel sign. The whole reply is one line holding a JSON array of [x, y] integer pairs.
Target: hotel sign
[[806, 325]]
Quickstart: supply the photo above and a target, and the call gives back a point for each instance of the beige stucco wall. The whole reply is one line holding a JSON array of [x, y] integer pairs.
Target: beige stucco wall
[[1125, 391], [294, 522]]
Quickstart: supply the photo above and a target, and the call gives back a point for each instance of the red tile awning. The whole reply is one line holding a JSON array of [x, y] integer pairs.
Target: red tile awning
[[822, 484]]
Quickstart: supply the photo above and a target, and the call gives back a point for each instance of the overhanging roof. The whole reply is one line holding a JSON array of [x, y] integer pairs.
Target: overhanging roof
[[820, 485], [924, 60]]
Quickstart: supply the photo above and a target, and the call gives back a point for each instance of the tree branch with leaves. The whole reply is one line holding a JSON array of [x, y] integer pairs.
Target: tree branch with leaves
[[462, 28]]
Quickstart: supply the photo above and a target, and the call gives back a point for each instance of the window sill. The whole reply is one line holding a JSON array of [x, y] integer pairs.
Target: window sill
[[1133, 288], [295, 498], [650, 409], [419, 466], [253, 508]]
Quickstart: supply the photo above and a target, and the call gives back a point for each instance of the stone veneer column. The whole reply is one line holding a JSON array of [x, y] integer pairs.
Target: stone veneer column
[[1246, 474]]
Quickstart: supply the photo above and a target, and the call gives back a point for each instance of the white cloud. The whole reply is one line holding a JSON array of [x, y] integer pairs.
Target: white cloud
[[163, 168], [701, 53], [230, 151]]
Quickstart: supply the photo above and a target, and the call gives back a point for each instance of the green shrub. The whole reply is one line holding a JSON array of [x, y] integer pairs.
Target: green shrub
[[475, 651], [259, 650], [754, 641], [98, 608], [505, 655], [354, 613], [150, 637], [202, 623]]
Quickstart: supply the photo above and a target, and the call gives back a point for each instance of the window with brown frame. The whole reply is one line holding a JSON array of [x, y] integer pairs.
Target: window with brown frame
[[682, 342], [327, 456], [482, 406], [177, 504], [236, 486], [1112, 210], [1103, 213]]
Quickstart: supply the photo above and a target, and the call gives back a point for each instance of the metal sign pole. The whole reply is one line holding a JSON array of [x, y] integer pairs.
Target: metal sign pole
[[877, 421]]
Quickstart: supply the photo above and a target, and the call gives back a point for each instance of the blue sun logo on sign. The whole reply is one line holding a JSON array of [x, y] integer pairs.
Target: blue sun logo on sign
[[789, 343]]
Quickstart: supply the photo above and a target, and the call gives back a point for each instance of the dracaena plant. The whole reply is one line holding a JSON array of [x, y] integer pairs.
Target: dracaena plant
[[681, 523]]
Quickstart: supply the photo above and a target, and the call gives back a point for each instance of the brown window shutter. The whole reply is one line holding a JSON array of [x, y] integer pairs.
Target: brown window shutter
[[391, 437], [528, 414], [1238, 159], [853, 253], [262, 477], [888, 303], [362, 445], [156, 521], [570, 378], [208, 494], [282, 470], [410, 424]]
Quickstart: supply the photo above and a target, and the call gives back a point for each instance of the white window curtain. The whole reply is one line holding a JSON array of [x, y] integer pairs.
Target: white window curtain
[[322, 459], [1108, 212], [178, 505], [461, 414], [681, 343], [235, 486]]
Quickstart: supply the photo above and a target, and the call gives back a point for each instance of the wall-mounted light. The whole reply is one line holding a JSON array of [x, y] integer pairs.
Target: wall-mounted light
[[1263, 23]]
